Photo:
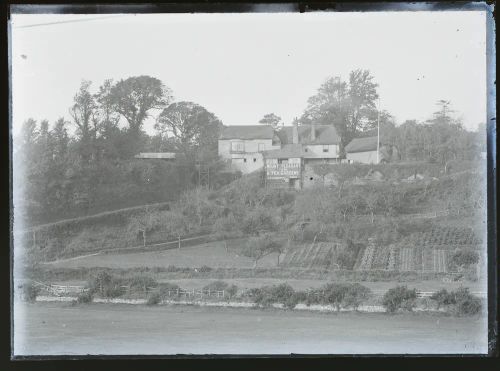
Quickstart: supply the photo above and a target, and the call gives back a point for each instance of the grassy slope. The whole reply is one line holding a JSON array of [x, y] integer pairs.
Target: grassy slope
[[111, 230]]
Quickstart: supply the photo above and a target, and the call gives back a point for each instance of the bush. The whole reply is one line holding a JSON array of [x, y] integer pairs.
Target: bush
[[154, 298], [140, 283], [355, 295], [398, 298], [460, 302], [334, 294], [232, 291], [443, 298], [205, 269], [266, 296], [85, 297], [464, 257], [30, 292], [466, 304], [107, 285]]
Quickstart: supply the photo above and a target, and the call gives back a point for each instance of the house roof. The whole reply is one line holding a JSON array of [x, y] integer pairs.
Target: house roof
[[290, 151], [286, 151], [325, 134], [247, 132], [362, 145]]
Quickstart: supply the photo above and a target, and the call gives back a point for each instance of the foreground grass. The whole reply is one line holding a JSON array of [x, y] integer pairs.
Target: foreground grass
[[59, 328]]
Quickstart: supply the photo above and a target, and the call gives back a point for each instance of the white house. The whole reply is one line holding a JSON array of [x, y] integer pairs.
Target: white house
[[303, 147], [242, 145]]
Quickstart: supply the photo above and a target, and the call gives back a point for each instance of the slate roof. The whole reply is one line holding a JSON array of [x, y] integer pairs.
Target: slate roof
[[244, 132], [290, 151], [325, 134], [286, 151], [362, 145]]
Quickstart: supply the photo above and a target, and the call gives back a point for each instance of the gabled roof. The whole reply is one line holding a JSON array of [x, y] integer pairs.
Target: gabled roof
[[247, 132], [362, 145], [325, 134], [287, 151], [290, 151]]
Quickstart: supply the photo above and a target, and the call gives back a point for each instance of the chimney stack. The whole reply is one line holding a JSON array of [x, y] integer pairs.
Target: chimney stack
[[295, 132], [313, 132]]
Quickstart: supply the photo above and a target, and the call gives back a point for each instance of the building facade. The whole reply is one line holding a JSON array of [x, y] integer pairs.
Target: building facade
[[364, 151], [303, 147], [242, 146]]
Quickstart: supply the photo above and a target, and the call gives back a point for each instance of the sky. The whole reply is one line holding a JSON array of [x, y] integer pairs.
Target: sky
[[243, 66]]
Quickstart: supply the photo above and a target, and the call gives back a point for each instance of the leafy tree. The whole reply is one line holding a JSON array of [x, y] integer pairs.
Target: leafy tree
[[193, 127], [83, 113], [271, 119], [261, 246], [345, 105], [134, 98]]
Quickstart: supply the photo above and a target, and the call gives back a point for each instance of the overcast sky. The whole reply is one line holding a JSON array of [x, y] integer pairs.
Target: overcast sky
[[242, 66]]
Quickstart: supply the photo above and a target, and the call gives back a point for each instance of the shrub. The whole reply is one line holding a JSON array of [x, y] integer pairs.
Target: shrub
[[140, 283], [85, 297], [107, 285], [443, 298], [464, 257], [460, 302], [355, 295], [205, 269], [232, 291], [466, 304], [154, 298], [334, 294], [30, 292], [172, 268], [398, 298], [266, 296]]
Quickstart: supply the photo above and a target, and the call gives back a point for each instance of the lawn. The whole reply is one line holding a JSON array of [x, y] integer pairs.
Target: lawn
[[212, 254], [59, 328]]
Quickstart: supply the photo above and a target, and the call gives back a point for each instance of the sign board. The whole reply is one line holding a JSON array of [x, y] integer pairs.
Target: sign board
[[283, 171]]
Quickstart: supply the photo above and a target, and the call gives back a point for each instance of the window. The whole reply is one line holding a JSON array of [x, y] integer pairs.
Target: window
[[305, 149], [325, 148], [254, 160], [237, 146], [244, 160], [262, 147]]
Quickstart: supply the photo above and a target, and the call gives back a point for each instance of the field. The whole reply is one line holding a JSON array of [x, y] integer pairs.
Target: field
[[55, 328], [211, 254]]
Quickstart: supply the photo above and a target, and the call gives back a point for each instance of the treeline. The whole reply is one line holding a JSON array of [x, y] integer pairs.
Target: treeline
[[352, 107], [93, 169]]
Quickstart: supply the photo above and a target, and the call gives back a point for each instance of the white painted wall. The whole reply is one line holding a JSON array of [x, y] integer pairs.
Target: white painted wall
[[317, 149], [368, 157], [250, 159]]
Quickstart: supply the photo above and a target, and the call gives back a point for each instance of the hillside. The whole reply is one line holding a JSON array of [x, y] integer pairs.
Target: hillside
[[329, 227]]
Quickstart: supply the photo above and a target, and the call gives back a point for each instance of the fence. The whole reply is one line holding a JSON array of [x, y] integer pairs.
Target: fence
[[59, 290]]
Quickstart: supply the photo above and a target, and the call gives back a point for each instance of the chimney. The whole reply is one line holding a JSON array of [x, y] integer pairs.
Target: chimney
[[313, 132], [295, 132]]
